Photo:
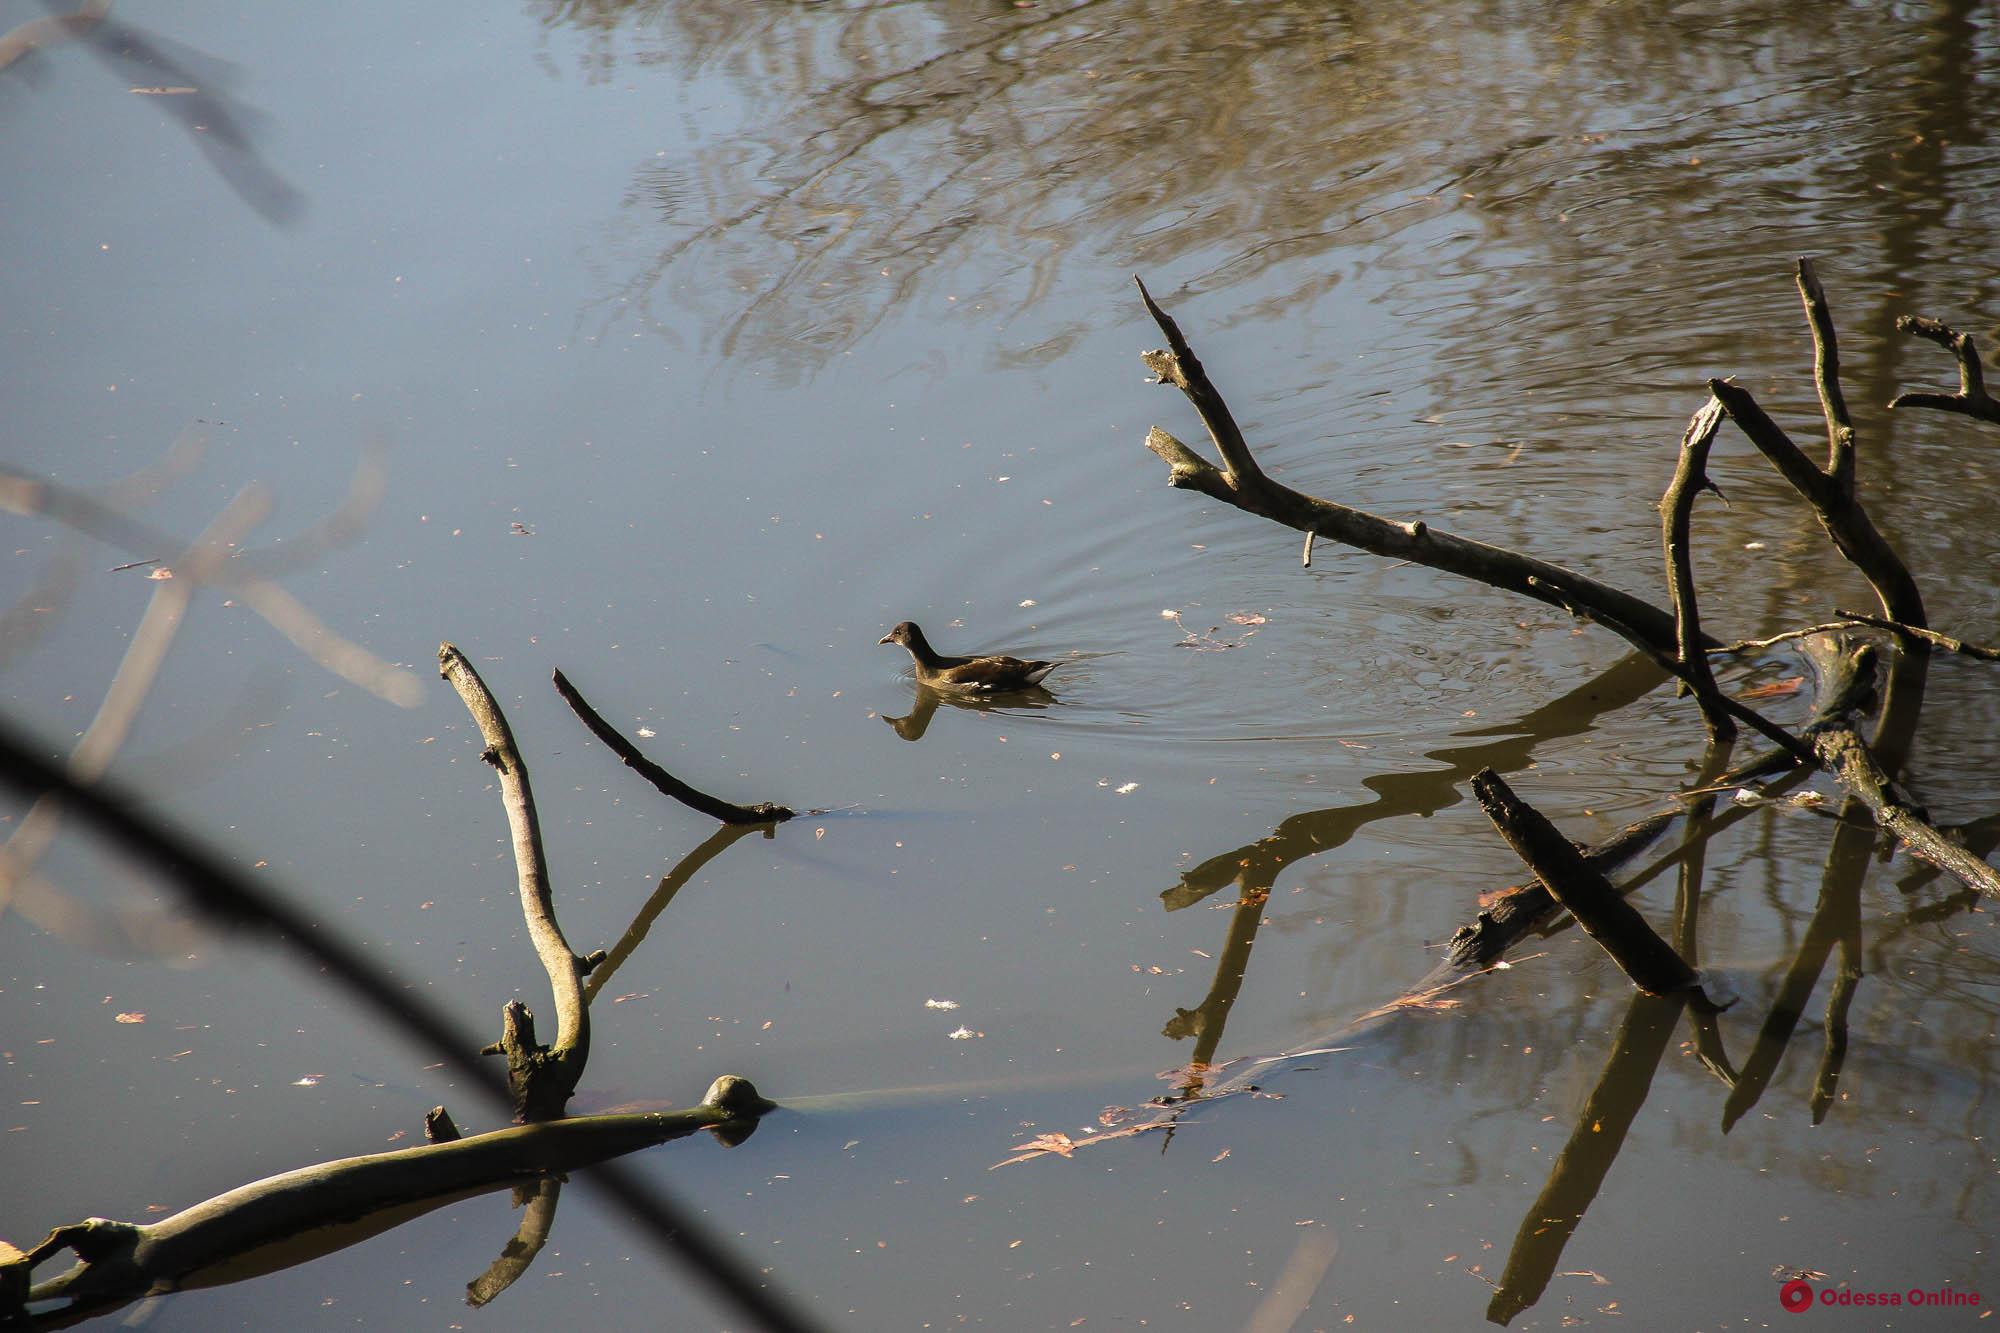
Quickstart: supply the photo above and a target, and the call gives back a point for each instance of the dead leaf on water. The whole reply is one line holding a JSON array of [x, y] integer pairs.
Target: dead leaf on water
[[1775, 689]]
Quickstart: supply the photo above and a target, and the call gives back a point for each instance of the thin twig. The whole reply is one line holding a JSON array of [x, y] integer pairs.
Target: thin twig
[[1754, 645], [1929, 636], [712, 806]]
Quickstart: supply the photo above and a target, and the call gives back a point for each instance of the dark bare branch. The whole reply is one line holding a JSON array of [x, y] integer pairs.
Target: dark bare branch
[[1826, 375], [1605, 916], [1644, 625], [1971, 399], [1676, 519], [1844, 520], [713, 806]]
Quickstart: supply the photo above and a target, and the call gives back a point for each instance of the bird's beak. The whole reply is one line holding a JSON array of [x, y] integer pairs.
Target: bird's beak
[[887, 638]]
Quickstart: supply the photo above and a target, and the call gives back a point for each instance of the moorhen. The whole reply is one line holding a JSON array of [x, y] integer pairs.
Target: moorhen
[[991, 674]]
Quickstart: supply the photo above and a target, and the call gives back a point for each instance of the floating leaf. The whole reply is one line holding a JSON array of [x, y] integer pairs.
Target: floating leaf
[[1776, 688]]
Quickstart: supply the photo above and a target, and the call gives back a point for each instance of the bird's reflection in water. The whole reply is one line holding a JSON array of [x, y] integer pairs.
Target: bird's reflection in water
[[913, 724]]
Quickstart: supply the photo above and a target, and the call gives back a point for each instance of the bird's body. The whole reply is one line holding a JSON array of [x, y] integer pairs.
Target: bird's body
[[991, 674]]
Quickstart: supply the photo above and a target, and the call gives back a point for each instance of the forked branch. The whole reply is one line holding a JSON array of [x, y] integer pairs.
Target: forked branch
[[1971, 399]]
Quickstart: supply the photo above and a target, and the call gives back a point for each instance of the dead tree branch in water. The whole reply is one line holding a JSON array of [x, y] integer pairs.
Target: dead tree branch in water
[[215, 887], [713, 806], [1971, 399], [1243, 484], [336, 1204], [1845, 755], [1676, 520], [1603, 913], [1675, 641], [541, 1077]]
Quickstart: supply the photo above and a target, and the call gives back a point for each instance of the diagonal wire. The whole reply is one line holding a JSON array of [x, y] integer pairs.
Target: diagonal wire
[[226, 896]]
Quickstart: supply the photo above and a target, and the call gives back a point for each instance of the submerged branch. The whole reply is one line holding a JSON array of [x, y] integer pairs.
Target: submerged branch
[[336, 1204], [225, 894], [1603, 913]]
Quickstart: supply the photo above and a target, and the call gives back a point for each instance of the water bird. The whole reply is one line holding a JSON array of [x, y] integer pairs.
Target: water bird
[[990, 674]]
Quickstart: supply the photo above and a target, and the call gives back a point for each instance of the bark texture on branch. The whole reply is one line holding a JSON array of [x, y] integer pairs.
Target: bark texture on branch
[[1845, 755], [541, 1079]]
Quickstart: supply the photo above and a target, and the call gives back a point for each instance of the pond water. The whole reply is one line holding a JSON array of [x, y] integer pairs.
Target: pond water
[[700, 343]]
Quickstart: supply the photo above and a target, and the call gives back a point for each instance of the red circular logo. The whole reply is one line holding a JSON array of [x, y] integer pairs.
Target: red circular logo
[[1796, 1295]]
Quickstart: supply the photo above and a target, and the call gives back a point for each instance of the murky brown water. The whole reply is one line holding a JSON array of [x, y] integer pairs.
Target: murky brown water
[[710, 340]]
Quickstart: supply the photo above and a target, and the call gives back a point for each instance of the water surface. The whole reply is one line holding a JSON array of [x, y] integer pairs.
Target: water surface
[[708, 341]]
